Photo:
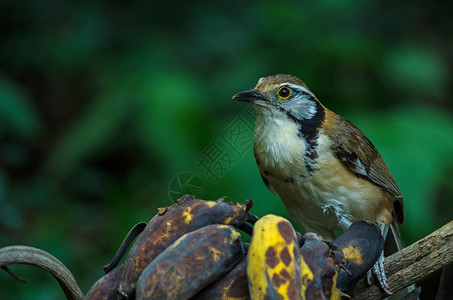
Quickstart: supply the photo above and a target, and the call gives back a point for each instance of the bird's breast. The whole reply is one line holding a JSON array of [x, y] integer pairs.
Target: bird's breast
[[278, 147], [320, 193]]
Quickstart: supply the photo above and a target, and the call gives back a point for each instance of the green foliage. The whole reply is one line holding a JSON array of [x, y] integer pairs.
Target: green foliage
[[17, 113], [104, 106]]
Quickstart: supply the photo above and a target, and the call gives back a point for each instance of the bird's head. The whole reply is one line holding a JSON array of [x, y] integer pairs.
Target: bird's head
[[281, 93]]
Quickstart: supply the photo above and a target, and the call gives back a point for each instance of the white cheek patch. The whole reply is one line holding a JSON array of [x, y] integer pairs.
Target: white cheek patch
[[311, 111], [301, 107]]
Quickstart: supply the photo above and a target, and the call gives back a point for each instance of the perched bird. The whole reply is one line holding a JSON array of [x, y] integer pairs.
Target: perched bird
[[326, 171]]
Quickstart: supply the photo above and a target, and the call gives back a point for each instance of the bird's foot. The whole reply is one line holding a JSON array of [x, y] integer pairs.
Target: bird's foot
[[378, 270]]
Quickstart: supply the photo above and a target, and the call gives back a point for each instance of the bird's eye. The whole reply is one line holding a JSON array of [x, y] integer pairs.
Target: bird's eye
[[284, 93]]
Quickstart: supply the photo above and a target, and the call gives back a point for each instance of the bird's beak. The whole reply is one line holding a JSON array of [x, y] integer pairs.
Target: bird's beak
[[250, 96]]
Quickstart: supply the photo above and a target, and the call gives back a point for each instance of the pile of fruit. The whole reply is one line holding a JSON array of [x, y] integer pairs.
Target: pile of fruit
[[193, 250]]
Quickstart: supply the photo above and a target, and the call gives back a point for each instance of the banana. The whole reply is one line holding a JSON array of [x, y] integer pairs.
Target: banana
[[331, 268], [319, 274], [105, 287], [273, 260], [191, 263], [361, 245], [187, 215], [232, 286]]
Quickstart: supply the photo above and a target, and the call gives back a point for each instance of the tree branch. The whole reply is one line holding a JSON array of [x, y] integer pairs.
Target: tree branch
[[412, 264], [40, 258]]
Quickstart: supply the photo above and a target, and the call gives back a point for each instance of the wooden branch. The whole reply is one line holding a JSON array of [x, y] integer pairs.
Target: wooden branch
[[40, 258], [412, 264]]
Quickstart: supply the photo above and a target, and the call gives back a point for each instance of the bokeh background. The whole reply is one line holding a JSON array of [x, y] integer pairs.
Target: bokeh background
[[111, 109]]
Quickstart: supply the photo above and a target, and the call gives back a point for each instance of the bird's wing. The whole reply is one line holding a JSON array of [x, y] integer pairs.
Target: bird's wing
[[356, 152]]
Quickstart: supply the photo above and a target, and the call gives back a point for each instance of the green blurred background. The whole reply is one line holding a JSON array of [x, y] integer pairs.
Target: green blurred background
[[111, 109]]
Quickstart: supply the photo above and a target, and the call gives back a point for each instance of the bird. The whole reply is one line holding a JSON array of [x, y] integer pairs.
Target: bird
[[325, 170]]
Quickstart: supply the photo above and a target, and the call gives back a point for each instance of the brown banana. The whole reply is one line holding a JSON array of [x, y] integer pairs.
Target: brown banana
[[232, 286], [331, 268], [187, 215], [318, 269], [191, 263], [361, 245], [105, 287]]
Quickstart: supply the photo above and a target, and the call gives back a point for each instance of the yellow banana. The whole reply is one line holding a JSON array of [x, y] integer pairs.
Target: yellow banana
[[273, 260]]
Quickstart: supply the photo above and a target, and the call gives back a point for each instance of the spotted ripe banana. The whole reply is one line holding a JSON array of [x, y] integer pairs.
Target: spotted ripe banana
[[273, 260]]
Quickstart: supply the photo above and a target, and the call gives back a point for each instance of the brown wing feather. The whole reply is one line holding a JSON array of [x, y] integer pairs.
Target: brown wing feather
[[355, 150]]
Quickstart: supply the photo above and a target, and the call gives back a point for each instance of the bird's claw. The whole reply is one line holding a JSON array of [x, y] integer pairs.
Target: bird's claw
[[378, 270]]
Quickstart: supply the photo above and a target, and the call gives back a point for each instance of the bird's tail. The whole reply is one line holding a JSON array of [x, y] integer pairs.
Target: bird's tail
[[393, 241]]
